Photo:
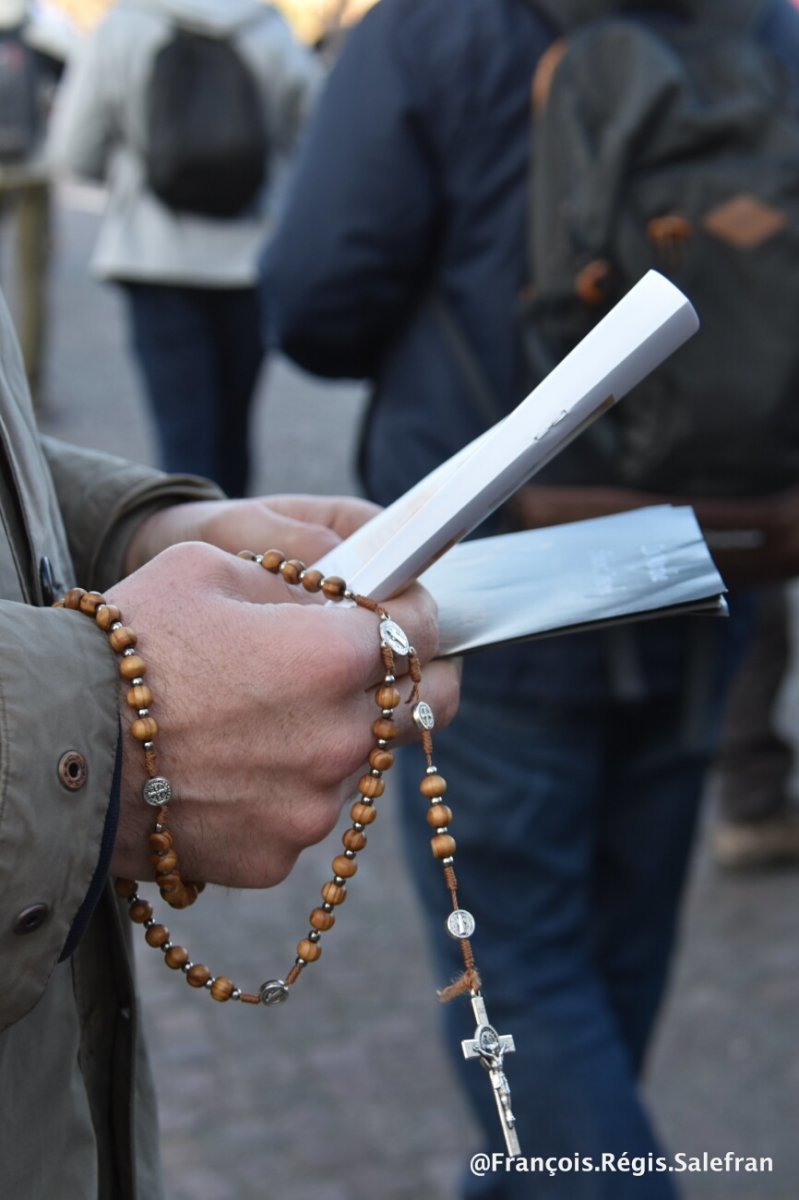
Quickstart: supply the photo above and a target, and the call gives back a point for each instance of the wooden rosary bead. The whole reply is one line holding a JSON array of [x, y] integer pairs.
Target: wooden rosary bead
[[321, 920], [432, 786], [380, 759], [156, 936], [312, 580], [139, 696], [439, 815], [121, 638], [126, 887], [165, 863], [73, 597], [371, 786], [384, 729], [308, 950], [387, 696], [333, 587], [272, 559], [107, 615], [334, 893], [169, 883], [144, 729], [197, 976], [222, 988], [132, 667], [140, 911], [176, 957], [443, 845], [353, 839], [291, 570], [343, 866], [90, 602], [160, 842], [184, 897], [363, 814]]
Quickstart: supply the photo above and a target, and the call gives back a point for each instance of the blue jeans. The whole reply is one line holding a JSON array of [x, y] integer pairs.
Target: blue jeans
[[573, 830], [200, 352]]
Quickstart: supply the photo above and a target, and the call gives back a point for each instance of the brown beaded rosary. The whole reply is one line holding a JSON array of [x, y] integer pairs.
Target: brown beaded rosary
[[486, 1045]]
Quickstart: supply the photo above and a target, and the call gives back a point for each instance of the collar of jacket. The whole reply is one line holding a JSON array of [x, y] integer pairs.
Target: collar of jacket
[[565, 15]]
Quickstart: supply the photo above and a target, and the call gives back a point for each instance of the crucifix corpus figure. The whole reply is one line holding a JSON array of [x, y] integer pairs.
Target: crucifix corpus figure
[[491, 1047]]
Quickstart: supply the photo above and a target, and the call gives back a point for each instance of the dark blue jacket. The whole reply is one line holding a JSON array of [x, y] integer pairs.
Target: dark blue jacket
[[412, 180]]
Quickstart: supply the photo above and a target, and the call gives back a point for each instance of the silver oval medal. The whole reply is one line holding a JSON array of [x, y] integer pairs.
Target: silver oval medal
[[394, 637]]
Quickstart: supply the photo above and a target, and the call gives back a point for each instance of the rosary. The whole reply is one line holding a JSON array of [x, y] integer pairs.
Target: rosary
[[487, 1045]]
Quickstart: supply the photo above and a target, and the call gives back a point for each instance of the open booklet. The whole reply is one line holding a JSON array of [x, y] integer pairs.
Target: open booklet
[[643, 563], [398, 545]]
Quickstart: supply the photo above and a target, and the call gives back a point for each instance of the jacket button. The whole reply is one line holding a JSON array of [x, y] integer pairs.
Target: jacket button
[[31, 918], [72, 770]]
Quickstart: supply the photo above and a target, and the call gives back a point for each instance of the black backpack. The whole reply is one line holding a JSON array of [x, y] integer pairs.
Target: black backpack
[[20, 114], [676, 147], [207, 142]]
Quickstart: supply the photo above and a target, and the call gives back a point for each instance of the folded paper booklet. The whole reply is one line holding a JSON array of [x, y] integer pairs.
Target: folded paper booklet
[[405, 539], [644, 563]]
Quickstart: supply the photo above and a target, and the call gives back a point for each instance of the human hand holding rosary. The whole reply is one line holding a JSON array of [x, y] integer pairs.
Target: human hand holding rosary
[[179, 869]]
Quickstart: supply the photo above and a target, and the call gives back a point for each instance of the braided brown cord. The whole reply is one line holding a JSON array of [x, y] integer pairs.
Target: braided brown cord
[[157, 792]]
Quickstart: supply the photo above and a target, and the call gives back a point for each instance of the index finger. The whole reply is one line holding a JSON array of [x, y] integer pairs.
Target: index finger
[[341, 514], [416, 613]]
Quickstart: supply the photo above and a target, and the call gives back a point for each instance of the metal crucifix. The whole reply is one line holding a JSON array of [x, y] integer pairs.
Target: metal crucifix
[[491, 1047]]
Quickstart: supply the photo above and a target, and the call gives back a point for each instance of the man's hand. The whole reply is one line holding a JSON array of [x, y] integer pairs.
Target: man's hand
[[307, 527], [265, 705]]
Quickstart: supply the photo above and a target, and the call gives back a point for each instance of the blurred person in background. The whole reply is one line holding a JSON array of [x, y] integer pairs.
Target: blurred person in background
[[756, 819], [188, 276], [577, 766], [33, 46]]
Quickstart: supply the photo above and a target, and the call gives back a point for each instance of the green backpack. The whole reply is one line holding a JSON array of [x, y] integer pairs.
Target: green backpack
[[673, 146]]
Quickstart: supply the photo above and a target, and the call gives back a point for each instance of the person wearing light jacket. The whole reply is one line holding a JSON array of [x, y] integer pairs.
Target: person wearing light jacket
[[188, 280]]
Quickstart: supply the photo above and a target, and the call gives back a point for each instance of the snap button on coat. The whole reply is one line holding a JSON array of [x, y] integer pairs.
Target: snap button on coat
[[72, 770], [31, 918]]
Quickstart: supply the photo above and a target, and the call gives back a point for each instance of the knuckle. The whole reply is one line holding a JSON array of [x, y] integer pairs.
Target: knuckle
[[418, 616], [194, 559], [311, 822], [350, 659], [444, 684], [349, 751]]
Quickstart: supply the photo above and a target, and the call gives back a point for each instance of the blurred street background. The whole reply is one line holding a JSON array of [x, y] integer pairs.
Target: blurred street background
[[344, 1093]]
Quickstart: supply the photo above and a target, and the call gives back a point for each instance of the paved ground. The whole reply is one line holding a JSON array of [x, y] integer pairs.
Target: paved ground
[[344, 1093]]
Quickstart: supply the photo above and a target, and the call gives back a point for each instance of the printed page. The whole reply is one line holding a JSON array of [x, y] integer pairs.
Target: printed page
[[647, 561], [647, 325]]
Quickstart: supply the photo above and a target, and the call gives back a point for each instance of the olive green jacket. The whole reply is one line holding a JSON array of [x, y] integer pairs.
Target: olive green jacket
[[77, 1117]]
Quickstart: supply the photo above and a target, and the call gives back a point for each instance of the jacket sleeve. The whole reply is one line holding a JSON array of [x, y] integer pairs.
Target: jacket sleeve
[[59, 726], [84, 124], [59, 730], [355, 237], [103, 499]]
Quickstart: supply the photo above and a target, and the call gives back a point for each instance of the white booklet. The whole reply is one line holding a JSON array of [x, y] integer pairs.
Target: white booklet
[[403, 541], [397, 545]]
